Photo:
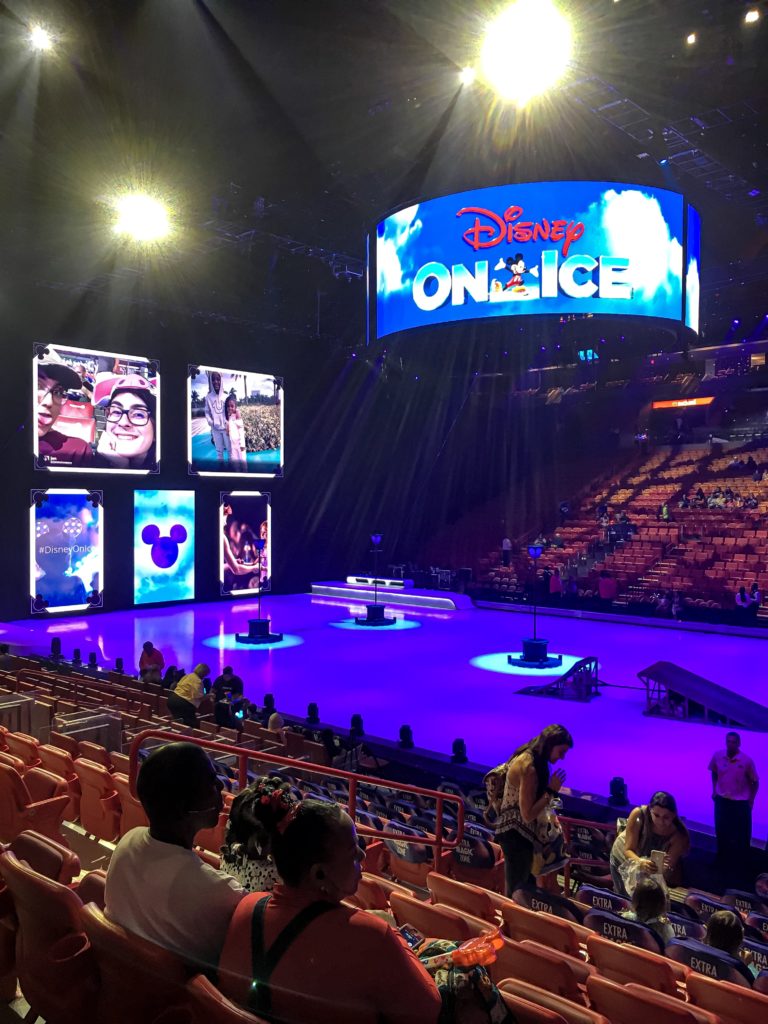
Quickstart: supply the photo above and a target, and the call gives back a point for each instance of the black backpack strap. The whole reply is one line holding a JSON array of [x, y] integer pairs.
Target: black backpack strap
[[264, 961]]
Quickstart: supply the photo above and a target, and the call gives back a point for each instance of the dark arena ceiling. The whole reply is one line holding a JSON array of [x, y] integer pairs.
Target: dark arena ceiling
[[285, 129]]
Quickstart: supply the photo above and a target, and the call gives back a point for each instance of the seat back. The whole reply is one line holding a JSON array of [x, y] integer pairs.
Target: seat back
[[99, 803], [618, 929], [543, 902], [572, 1013], [712, 962], [13, 762], [759, 922], [525, 1012], [433, 922], [553, 932], [96, 753], [461, 896], [686, 927], [23, 746], [622, 1006], [744, 902], [538, 967], [64, 742], [731, 1002], [625, 964], [14, 799], [53, 957], [759, 953], [138, 978], [47, 857], [132, 814], [602, 899], [704, 905], [58, 761]]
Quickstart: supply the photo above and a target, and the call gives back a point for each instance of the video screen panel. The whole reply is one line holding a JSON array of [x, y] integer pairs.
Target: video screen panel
[[235, 423], [693, 270], [245, 542], [95, 412], [66, 558], [163, 546], [547, 247]]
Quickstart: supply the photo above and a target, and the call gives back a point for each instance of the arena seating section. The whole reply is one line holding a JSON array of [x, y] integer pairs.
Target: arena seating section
[[705, 554], [567, 957]]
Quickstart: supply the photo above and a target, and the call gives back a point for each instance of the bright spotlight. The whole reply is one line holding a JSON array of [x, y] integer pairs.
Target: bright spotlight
[[141, 218], [40, 39], [467, 75], [691, 38], [752, 16], [527, 49]]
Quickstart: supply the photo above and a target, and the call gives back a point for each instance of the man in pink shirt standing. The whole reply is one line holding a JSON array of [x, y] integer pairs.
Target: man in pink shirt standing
[[734, 788]]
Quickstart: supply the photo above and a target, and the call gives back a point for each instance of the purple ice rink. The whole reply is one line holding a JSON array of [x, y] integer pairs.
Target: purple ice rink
[[423, 674]]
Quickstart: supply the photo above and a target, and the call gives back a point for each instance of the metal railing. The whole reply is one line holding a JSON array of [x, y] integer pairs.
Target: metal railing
[[354, 780]]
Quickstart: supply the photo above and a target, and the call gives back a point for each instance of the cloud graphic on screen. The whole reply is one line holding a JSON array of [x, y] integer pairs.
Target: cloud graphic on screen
[[393, 261], [634, 227], [692, 295]]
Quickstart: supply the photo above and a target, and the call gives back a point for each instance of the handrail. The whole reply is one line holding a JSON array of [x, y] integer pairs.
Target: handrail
[[244, 755]]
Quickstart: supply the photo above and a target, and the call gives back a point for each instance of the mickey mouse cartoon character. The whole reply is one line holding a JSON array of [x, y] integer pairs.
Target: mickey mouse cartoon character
[[516, 266]]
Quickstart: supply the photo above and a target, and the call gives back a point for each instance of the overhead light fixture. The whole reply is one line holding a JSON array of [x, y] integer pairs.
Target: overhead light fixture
[[752, 16], [691, 38], [40, 39], [141, 218], [467, 75], [515, 43]]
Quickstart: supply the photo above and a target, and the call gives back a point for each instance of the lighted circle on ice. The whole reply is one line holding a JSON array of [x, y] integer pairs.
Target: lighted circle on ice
[[499, 663]]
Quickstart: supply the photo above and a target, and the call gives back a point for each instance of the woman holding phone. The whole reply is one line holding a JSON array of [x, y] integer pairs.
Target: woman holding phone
[[654, 833]]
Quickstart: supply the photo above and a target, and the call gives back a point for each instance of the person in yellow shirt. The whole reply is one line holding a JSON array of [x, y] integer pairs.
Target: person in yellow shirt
[[184, 699]]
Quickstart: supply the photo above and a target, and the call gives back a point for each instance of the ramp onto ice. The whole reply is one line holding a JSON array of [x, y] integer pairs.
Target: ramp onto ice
[[674, 692]]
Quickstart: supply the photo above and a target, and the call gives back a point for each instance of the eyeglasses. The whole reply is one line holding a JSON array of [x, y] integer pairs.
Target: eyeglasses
[[138, 415], [57, 393]]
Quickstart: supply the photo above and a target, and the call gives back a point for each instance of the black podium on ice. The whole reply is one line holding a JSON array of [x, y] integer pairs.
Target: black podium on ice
[[375, 616], [258, 633], [535, 655]]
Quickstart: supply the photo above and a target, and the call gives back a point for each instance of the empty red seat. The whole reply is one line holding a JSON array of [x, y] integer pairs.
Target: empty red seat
[[13, 762], [553, 932], [730, 1002], [626, 964], [99, 803], [64, 742], [461, 896], [433, 922], [572, 1013], [38, 801], [25, 747], [138, 979], [132, 814], [539, 967], [96, 753], [59, 762], [636, 1005], [53, 957]]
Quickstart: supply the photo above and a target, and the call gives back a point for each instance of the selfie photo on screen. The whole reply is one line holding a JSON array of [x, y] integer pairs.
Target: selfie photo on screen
[[245, 543], [95, 411], [235, 423]]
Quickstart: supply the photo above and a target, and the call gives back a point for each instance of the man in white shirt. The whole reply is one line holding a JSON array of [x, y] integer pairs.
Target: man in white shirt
[[216, 417], [157, 887]]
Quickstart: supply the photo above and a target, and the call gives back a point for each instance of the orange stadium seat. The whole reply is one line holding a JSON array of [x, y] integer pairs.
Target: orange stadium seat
[[137, 978], [25, 747], [433, 922], [38, 801], [59, 762], [635, 1005], [99, 803], [461, 896], [626, 964], [571, 1012], [56, 970], [132, 814], [732, 1003]]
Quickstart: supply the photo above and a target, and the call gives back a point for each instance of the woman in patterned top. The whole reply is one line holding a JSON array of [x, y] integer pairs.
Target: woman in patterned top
[[246, 851]]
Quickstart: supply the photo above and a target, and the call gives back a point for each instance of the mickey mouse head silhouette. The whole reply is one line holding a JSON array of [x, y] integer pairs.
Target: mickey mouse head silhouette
[[165, 550]]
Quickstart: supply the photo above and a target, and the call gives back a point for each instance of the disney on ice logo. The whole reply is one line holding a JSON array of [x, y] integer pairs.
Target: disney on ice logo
[[578, 276]]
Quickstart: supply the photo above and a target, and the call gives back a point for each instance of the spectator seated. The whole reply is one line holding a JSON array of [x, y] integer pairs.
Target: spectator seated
[[713, 963]]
